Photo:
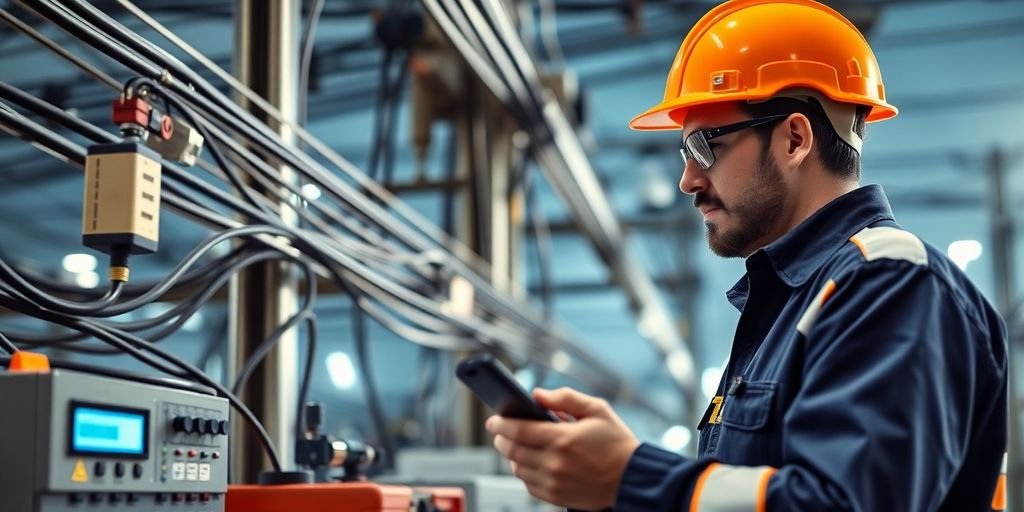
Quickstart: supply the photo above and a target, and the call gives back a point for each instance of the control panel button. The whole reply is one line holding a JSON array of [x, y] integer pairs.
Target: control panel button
[[116, 497], [191, 454], [119, 470], [162, 498], [193, 497], [183, 424], [137, 471], [96, 497], [99, 469], [203, 455], [133, 497], [215, 455], [223, 426], [178, 452], [76, 498], [179, 497]]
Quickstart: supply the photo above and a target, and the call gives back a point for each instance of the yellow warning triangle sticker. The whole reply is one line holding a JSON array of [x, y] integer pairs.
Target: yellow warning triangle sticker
[[80, 474]]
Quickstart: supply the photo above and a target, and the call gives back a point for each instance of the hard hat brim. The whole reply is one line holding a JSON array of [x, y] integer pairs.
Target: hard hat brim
[[668, 115]]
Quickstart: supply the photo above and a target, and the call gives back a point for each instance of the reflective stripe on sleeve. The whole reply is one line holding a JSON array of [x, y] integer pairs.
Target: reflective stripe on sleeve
[[724, 488], [811, 315]]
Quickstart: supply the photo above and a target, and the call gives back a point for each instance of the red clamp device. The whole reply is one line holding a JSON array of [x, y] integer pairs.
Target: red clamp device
[[137, 111]]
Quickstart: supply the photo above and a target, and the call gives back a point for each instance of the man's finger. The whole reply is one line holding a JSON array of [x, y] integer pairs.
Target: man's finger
[[578, 405], [536, 481], [520, 454], [537, 434]]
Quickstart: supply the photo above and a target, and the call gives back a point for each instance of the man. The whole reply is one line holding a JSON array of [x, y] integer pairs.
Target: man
[[866, 372]]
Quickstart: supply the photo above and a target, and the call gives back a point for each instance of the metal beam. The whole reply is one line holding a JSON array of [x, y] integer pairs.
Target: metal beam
[[264, 296]]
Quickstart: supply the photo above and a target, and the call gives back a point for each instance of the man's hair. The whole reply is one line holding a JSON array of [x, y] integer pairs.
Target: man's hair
[[835, 154]]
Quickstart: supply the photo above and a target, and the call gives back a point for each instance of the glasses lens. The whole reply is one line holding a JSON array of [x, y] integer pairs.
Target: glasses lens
[[698, 149]]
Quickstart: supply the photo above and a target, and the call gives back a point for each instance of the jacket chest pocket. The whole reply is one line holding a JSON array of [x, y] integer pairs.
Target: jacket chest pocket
[[749, 429]]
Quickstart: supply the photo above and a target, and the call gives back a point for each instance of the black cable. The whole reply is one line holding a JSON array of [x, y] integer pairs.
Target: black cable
[[306, 58], [390, 130], [380, 113], [7, 345], [133, 289], [180, 312], [373, 403], [230, 171], [26, 289], [263, 349], [307, 376]]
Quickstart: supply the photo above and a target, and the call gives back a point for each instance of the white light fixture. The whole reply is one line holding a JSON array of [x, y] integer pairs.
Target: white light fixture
[[194, 322], [560, 361], [341, 371], [647, 326], [79, 262], [679, 364], [654, 190], [88, 279], [709, 380], [963, 252], [676, 438], [525, 378], [310, 192], [461, 295]]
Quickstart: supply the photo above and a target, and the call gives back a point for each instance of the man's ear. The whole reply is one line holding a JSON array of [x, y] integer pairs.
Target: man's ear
[[796, 138]]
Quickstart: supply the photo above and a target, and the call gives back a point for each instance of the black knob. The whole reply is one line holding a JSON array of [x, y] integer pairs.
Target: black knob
[[119, 469], [136, 472], [99, 469], [223, 427], [183, 424], [201, 426], [210, 426]]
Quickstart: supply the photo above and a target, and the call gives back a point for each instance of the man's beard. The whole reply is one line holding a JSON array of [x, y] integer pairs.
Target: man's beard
[[754, 214]]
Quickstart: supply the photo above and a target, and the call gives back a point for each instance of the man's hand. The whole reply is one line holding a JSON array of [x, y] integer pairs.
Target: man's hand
[[575, 464]]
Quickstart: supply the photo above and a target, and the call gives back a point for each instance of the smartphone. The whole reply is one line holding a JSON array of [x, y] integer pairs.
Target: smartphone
[[495, 386]]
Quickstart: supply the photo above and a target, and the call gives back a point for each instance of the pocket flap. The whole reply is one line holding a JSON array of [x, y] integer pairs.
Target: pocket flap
[[750, 409]]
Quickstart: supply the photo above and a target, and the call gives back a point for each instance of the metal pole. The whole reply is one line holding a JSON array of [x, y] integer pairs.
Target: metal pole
[[264, 296], [1002, 261]]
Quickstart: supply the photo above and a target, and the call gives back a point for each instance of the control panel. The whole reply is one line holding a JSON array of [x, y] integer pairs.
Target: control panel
[[76, 442]]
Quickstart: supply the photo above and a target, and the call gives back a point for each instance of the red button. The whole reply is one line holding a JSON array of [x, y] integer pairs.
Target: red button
[[191, 454]]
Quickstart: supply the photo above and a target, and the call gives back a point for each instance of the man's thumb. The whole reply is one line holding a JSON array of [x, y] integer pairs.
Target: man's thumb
[[569, 400]]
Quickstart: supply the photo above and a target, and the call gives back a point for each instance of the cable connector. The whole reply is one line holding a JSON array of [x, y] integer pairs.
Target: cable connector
[[139, 118], [184, 145]]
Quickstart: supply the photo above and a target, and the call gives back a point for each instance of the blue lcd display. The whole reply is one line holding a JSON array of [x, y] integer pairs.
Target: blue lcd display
[[101, 431]]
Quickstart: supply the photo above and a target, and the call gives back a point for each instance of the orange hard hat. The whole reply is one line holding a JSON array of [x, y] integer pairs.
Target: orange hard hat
[[750, 50]]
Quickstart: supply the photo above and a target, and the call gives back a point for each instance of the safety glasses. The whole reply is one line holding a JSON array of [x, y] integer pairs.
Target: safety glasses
[[696, 146]]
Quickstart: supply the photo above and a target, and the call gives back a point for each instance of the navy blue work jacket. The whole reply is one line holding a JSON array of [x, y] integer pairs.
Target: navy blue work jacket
[[866, 374]]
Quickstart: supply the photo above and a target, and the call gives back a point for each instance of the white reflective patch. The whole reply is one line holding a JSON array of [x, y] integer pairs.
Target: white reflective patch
[[1005, 456], [733, 489], [811, 315], [890, 243]]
